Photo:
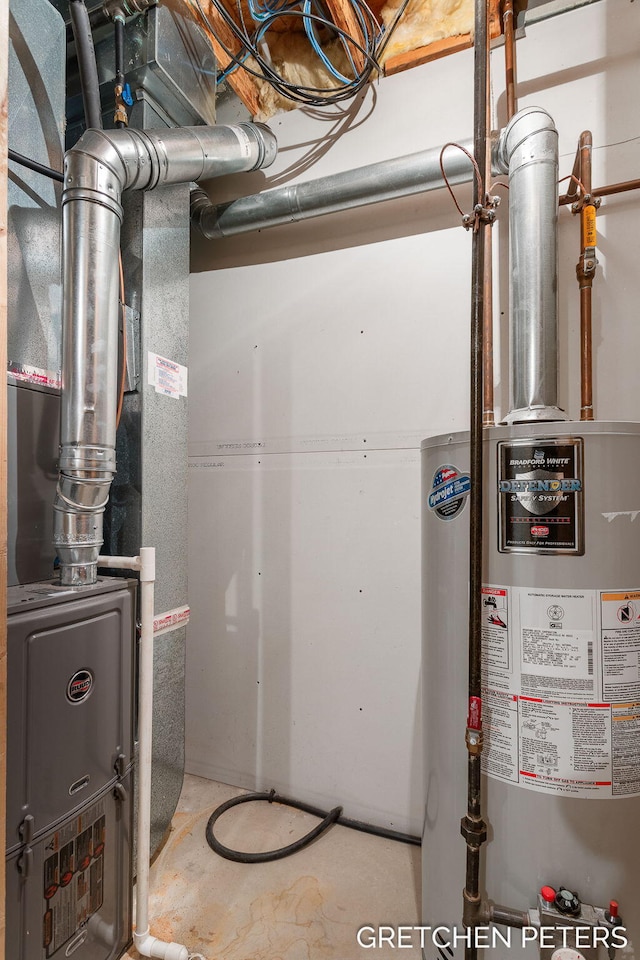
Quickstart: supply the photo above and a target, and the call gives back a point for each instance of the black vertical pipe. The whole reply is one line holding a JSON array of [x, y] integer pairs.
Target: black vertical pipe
[[473, 827], [86, 63], [118, 27]]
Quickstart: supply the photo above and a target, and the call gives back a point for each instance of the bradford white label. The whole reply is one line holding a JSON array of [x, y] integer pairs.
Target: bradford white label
[[540, 494]]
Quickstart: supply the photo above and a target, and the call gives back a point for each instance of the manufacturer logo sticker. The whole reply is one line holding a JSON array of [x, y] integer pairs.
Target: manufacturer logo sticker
[[540, 495], [80, 686], [449, 491]]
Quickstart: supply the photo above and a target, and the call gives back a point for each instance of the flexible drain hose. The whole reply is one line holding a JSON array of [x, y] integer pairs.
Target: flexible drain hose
[[327, 819]]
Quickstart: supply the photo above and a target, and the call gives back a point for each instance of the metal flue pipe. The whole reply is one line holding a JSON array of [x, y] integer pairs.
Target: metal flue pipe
[[97, 170], [386, 180], [528, 152]]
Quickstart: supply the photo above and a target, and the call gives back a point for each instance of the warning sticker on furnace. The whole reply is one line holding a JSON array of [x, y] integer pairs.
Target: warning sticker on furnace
[[449, 491], [73, 880], [540, 493]]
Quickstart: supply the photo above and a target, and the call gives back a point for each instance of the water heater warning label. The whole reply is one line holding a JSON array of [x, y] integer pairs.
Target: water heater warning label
[[561, 677], [540, 496]]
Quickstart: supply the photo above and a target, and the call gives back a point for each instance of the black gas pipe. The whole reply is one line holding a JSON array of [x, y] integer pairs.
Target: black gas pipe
[[473, 827]]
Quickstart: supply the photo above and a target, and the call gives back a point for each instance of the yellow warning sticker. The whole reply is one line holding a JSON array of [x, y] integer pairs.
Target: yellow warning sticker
[[589, 226], [618, 597]]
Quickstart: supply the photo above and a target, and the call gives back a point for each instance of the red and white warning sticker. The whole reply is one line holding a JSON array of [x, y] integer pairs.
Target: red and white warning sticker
[[171, 620], [35, 375], [561, 671]]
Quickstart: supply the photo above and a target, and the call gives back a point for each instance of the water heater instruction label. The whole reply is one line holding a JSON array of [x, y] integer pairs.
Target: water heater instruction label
[[540, 496], [561, 679]]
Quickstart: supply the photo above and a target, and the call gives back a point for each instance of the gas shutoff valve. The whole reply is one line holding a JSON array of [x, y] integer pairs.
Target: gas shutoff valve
[[572, 930]]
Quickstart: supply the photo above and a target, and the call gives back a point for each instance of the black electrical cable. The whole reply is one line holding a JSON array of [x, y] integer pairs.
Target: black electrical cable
[[333, 816], [34, 165], [86, 63], [267, 72], [316, 96]]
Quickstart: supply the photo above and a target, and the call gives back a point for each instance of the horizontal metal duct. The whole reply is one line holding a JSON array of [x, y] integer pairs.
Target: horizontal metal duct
[[386, 180]]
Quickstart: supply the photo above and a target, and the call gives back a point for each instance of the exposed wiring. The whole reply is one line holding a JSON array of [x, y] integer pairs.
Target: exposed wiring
[[572, 176], [481, 191], [35, 166], [265, 13], [327, 819]]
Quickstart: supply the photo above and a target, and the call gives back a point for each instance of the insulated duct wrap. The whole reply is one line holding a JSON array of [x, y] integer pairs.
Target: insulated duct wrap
[[97, 170], [528, 152]]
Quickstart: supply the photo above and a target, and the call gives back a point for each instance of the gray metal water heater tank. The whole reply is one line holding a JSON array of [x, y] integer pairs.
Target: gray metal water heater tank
[[561, 670]]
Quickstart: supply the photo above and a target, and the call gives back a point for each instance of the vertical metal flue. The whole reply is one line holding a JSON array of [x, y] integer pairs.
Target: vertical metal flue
[[528, 152], [97, 170]]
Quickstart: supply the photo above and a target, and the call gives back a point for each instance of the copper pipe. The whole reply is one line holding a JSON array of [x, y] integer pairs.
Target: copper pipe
[[509, 57], [609, 191], [488, 414], [586, 357], [572, 189], [616, 188], [585, 270]]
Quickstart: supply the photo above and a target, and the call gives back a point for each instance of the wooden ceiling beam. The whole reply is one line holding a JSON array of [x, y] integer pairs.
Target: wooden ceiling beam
[[345, 18], [441, 48], [240, 81]]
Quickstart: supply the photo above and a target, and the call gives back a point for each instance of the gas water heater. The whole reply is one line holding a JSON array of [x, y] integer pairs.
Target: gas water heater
[[561, 680]]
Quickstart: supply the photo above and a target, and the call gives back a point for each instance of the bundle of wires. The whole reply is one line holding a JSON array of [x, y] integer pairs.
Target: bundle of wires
[[265, 13]]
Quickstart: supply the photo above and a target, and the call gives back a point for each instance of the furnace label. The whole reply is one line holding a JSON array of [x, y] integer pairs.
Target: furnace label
[[168, 377], [561, 689], [449, 491], [540, 496], [73, 880]]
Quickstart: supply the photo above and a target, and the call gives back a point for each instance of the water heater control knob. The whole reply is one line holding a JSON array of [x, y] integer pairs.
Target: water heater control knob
[[612, 915], [567, 902]]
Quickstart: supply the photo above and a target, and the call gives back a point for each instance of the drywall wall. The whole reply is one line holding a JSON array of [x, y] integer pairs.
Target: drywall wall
[[321, 354]]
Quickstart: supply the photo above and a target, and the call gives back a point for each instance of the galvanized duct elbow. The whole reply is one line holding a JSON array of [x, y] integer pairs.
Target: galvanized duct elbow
[[528, 152], [97, 170]]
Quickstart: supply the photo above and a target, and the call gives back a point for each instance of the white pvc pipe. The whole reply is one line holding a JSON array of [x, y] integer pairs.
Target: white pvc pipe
[[146, 944]]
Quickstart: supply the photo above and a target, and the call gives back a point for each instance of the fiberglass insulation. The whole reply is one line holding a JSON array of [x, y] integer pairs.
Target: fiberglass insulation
[[422, 22]]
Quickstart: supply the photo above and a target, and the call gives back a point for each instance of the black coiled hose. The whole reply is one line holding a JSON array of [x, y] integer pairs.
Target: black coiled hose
[[333, 816]]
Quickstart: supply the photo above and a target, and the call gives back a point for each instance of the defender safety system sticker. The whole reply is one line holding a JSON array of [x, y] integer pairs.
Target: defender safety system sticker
[[540, 494], [449, 491]]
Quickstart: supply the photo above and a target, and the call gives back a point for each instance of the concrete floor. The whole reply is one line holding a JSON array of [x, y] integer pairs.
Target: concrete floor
[[305, 907]]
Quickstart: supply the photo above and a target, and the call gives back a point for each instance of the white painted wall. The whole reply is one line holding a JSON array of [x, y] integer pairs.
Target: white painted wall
[[321, 354]]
